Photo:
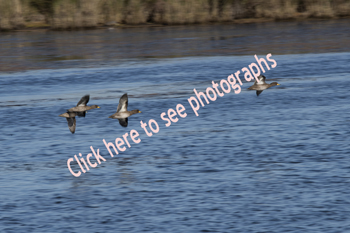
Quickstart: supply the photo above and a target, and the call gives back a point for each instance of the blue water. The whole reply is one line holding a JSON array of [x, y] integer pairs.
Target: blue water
[[274, 163]]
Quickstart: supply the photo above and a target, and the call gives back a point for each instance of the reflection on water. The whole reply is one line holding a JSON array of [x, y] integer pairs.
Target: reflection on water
[[273, 163], [94, 48]]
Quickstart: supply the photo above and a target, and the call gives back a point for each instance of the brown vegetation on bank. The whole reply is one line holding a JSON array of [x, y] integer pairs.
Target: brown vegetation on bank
[[74, 14]]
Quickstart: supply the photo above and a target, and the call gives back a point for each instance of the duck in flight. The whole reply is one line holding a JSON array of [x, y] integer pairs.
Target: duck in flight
[[79, 110], [82, 107], [122, 113], [261, 85]]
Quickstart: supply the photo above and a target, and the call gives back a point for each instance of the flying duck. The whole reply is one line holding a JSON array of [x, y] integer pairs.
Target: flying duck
[[81, 107], [261, 85], [122, 113], [79, 110]]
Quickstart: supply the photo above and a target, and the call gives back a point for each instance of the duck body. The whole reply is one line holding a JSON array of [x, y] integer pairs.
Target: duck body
[[261, 85], [126, 114], [82, 108], [68, 114], [122, 113]]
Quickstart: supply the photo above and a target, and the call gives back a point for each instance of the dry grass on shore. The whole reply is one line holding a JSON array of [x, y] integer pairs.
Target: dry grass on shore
[[68, 14], [75, 14]]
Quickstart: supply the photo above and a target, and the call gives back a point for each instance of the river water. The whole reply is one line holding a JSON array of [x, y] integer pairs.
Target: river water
[[274, 163]]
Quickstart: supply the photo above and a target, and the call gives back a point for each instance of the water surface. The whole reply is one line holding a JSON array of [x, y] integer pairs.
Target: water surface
[[274, 163]]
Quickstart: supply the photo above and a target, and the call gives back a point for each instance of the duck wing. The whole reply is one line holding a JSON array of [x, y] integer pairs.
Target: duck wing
[[258, 93], [262, 79], [84, 100], [123, 122], [71, 124], [123, 103]]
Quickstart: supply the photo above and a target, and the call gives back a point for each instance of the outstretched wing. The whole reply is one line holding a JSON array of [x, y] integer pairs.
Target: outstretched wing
[[84, 100], [123, 103], [258, 93], [71, 123], [262, 79], [123, 122]]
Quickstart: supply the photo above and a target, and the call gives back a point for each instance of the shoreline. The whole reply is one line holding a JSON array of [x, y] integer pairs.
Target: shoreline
[[41, 26]]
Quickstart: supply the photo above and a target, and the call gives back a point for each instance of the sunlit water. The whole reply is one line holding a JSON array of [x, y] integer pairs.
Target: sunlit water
[[274, 163]]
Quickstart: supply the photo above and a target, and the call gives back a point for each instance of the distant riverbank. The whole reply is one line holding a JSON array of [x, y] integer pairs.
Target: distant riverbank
[[79, 14]]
